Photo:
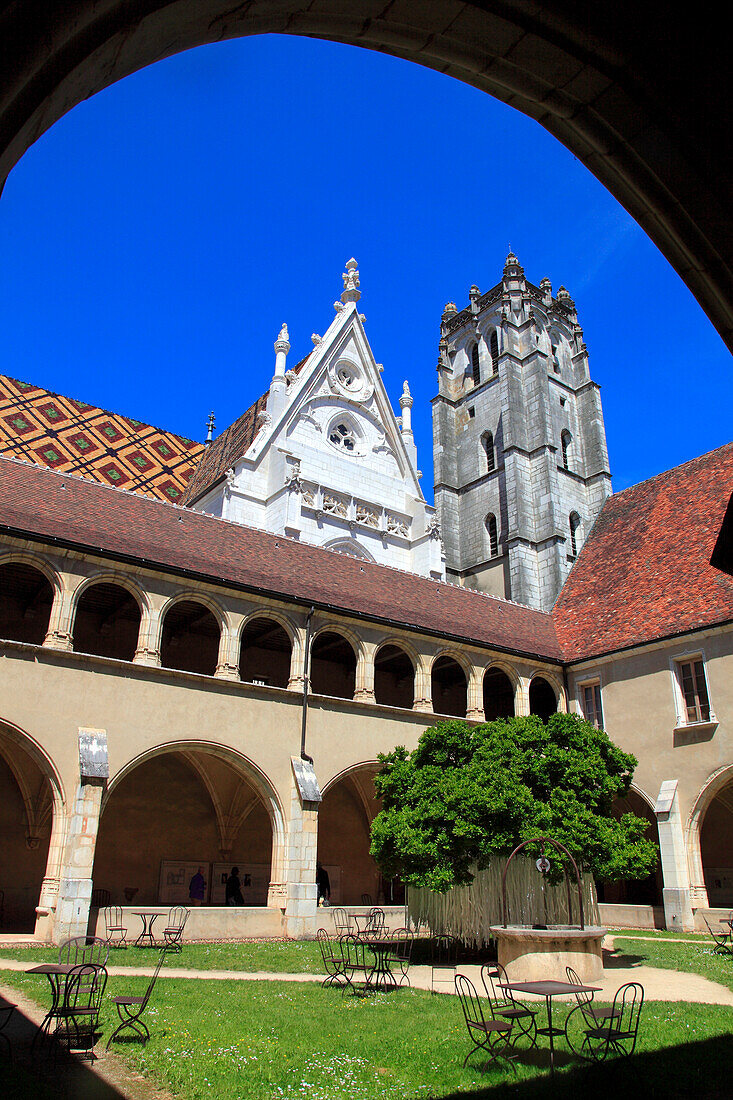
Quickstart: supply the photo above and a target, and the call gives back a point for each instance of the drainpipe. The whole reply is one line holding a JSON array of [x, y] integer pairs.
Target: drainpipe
[[306, 682]]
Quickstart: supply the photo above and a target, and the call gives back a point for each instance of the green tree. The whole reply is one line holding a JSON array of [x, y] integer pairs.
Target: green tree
[[470, 793]]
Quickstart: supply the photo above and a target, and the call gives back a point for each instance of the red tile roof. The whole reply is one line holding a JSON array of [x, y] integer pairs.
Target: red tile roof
[[44, 504], [644, 572], [39, 426]]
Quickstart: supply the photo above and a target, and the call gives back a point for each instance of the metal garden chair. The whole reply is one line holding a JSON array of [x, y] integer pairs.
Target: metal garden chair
[[444, 961], [492, 1035], [723, 943], [84, 950], [402, 953], [505, 1006], [619, 1032], [77, 1014], [333, 963], [367, 899], [130, 1009], [173, 932], [114, 927], [584, 1015], [340, 921], [358, 963], [376, 924]]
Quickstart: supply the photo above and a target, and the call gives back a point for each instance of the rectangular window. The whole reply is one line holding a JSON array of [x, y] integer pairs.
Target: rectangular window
[[694, 689], [591, 700]]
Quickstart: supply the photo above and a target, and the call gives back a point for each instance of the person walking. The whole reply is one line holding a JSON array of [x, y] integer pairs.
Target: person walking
[[197, 888], [233, 892], [323, 885]]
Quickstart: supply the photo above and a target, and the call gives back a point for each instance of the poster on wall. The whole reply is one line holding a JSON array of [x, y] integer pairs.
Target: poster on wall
[[254, 879], [175, 876]]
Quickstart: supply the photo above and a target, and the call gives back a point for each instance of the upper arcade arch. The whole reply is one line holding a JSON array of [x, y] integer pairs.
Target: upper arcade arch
[[636, 116]]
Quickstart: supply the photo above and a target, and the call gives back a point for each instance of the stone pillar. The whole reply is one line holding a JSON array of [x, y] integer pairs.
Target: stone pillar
[[48, 898], [301, 901], [148, 640], [227, 665], [521, 697], [474, 696], [75, 885], [297, 661], [423, 700], [364, 686], [58, 635], [675, 874]]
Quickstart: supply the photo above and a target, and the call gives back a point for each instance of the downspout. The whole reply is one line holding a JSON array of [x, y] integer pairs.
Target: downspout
[[306, 683]]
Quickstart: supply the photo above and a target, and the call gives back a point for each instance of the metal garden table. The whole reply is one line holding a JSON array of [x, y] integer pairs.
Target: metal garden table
[[549, 989]]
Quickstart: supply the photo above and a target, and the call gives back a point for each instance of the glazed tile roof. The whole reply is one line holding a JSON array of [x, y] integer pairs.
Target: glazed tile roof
[[71, 436], [40, 503], [644, 571], [229, 447]]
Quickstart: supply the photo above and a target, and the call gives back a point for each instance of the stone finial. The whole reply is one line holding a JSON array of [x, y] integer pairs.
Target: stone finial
[[406, 398], [512, 266], [450, 307], [210, 429], [316, 339], [563, 295], [351, 292], [474, 292], [283, 341]]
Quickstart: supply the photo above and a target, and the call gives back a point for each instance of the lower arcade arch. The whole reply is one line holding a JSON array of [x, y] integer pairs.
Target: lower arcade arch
[[645, 891], [716, 846], [345, 818], [31, 815], [181, 808]]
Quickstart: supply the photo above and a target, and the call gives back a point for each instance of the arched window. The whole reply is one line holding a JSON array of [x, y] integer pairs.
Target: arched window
[[566, 441], [574, 528], [494, 349], [491, 530], [341, 435], [475, 365], [489, 448]]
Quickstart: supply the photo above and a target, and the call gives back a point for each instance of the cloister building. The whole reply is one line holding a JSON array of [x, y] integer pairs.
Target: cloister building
[[205, 648]]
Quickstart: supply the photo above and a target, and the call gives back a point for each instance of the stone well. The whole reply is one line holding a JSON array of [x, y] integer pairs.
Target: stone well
[[533, 954]]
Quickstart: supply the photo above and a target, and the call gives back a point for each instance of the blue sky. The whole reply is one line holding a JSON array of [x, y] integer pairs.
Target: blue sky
[[153, 241]]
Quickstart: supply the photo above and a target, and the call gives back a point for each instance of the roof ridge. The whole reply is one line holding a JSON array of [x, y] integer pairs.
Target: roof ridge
[[207, 517], [671, 470]]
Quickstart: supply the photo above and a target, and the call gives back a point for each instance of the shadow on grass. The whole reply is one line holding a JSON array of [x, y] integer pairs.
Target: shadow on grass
[[700, 1070], [615, 960], [34, 1075]]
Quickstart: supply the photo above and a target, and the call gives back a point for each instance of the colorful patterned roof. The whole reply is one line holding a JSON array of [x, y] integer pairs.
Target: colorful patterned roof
[[73, 437], [644, 572]]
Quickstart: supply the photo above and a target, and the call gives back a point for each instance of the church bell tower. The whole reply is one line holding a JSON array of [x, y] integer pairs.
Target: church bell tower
[[521, 463]]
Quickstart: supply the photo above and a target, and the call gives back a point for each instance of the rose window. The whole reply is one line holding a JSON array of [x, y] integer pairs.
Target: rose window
[[342, 436], [346, 377]]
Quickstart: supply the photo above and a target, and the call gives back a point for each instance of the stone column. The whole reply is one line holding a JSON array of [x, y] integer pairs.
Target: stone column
[[148, 640], [521, 696], [364, 687], [48, 898], [474, 696], [58, 635], [301, 902], [227, 665], [423, 700], [675, 874], [75, 886], [297, 661]]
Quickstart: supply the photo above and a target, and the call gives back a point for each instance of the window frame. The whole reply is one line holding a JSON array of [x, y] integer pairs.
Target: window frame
[[476, 364], [682, 706], [592, 683], [491, 526]]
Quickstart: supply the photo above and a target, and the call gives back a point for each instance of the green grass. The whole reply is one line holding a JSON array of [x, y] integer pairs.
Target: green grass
[[267, 1040], [274, 957], [689, 957]]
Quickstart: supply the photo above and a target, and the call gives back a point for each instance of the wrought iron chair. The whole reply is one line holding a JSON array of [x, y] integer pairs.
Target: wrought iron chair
[[444, 961], [367, 899], [723, 940], [130, 1009], [7, 1008], [492, 1035], [358, 962], [402, 953], [84, 950], [619, 1032], [173, 931], [584, 1015], [333, 963], [77, 1014], [115, 929], [340, 921], [376, 924], [504, 1005]]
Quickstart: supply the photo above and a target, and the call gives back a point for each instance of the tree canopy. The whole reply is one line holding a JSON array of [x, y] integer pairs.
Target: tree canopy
[[469, 793]]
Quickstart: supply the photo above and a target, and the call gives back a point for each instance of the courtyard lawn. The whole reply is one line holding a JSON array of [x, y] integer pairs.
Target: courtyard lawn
[[266, 1040], [694, 958]]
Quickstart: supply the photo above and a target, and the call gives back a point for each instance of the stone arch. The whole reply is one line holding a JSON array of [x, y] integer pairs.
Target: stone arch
[[18, 583], [646, 891], [337, 673], [350, 546], [703, 877], [501, 707], [237, 791], [539, 698], [30, 865], [344, 822], [36, 561], [109, 580], [402, 694], [209, 658], [450, 693], [284, 664]]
